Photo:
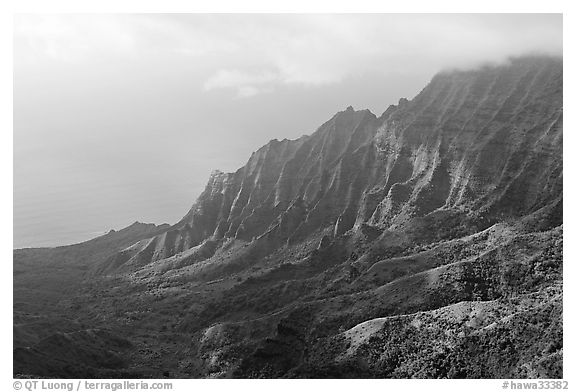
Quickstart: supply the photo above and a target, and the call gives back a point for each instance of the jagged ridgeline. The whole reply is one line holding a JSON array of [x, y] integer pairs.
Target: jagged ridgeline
[[483, 145], [426, 242]]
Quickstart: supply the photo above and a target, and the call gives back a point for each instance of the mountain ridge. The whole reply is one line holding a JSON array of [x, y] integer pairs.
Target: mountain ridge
[[243, 204]]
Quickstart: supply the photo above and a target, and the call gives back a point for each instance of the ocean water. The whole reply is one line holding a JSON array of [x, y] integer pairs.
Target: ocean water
[[70, 208], [76, 218]]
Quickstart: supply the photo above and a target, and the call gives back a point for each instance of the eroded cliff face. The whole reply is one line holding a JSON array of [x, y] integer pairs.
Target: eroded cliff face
[[486, 143], [426, 242]]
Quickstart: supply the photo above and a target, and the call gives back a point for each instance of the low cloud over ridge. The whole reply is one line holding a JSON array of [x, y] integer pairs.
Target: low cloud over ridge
[[250, 54]]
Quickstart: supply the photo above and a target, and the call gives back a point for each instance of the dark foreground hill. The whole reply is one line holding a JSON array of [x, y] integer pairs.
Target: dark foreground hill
[[426, 242]]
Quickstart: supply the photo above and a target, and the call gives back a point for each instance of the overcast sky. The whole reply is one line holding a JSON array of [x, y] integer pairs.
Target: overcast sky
[[120, 118]]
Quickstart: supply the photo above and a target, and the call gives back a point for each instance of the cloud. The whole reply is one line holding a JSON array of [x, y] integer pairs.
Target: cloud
[[250, 91], [246, 84], [66, 38], [249, 54], [317, 50]]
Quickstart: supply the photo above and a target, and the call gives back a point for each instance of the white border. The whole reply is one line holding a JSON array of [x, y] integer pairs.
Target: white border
[[7, 11]]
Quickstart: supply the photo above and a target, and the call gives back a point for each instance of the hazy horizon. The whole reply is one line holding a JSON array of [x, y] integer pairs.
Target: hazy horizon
[[121, 118]]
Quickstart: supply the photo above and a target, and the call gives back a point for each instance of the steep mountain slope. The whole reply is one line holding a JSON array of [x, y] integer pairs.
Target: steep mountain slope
[[487, 142], [426, 242]]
